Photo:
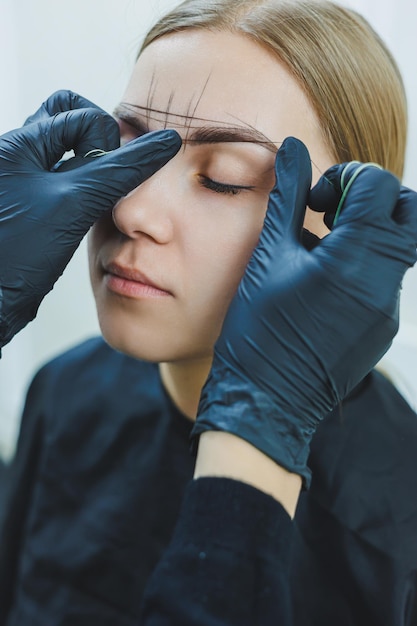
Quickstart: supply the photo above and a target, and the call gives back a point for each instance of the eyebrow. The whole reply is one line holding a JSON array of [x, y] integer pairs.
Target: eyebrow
[[199, 135]]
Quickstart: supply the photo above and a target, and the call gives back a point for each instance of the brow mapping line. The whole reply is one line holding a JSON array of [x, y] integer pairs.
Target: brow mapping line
[[227, 125], [199, 100]]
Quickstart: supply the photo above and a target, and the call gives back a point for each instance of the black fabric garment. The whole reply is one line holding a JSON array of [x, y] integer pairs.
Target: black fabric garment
[[224, 570], [3, 483], [102, 464], [357, 526]]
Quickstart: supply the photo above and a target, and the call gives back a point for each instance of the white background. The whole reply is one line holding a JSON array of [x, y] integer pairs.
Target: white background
[[89, 46]]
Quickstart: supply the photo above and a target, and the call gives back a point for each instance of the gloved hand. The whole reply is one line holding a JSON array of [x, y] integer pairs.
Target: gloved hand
[[66, 100], [305, 327], [45, 214]]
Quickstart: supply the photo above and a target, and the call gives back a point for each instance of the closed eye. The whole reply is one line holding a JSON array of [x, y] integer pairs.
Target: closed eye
[[214, 185]]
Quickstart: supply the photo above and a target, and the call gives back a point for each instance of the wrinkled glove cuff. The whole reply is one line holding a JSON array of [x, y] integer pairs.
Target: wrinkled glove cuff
[[231, 404]]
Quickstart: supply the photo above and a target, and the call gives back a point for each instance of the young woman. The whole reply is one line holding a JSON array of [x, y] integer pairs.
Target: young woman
[[103, 458]]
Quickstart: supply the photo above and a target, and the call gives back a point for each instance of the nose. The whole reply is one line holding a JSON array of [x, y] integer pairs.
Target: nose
[[147, 210]]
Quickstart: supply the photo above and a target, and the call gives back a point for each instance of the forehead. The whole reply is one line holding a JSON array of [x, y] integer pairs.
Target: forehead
[[225, 77]]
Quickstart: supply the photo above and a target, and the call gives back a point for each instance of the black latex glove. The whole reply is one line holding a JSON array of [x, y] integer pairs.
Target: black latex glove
[[305, 327], [66, 100], [45, 214]]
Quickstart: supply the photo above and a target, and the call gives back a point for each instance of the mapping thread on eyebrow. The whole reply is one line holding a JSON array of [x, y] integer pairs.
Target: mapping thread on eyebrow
[[150, 98], [196, 105], [170, 99], [191, 110], [248, 134], [220, 132]]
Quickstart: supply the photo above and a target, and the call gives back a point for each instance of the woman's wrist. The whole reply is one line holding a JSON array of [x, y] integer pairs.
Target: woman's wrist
[[225, 455]]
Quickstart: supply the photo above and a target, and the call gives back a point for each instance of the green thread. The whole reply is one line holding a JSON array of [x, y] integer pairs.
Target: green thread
[[95, 153], [345, 190]]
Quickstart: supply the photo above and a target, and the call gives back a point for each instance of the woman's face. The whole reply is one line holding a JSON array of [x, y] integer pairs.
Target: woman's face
[[166, 266]]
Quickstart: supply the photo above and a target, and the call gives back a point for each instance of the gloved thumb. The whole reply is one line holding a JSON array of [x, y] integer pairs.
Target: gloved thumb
[[287, 201], [103, 180]]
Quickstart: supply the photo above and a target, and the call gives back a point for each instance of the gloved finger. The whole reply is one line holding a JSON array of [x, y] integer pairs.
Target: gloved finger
[[404, 219], [80, 130], [287, 201], [326, 194], [113, 175], [405, 211], [59, 102], [65, 100], [369, 193], [330, 193], [309, 240]]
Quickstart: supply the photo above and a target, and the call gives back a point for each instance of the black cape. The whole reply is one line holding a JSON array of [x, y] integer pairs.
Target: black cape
[[101, 468]]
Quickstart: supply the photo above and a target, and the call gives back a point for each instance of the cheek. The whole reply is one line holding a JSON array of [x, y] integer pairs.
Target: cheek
[[220, 258], [232, 243], [102, 233]]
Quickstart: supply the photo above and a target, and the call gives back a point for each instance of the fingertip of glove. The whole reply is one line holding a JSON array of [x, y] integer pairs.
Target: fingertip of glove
[[405, 211], [292, 147], [172, 139], [368, 181], [325, 195], [165, 139], [65, 96], [156, 143], [292, 162]]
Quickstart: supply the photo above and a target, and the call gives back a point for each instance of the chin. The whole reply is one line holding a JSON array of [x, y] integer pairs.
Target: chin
[[135, 344], [155, 345]]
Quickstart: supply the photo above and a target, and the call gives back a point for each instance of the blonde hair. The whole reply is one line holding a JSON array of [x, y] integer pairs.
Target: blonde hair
[[347, 72]]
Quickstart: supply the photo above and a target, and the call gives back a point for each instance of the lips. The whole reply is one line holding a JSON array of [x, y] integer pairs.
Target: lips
[[131, 282]]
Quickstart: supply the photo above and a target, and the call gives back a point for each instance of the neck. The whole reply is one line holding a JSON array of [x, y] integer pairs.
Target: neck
[[184, 381]]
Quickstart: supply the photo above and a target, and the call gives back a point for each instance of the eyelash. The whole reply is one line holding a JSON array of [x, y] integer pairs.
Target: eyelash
[[213, 185]]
